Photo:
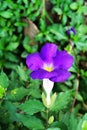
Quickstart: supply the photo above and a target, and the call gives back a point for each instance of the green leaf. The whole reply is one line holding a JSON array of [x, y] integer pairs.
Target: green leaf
[[84, 10], [34, 89], [49, 37], [2, 91], [58, 32], [58, 10], [73, 122], [4, 81], [34, 92], [80, 2], [32, 106], [6, 14], [62, 100], [81, 45], [59, 124], [12, 46], [17, 94], [53, 1], [64, 19], [74, 5], [82, 29], [82, 125], [26, 2], [3, 32], [66, 7], [31, 122], [2, 43], [26, 45], [20, 24], [54, 128], [22, 73], [79, 97], [10, 65], [11, 109], [11, 57], [42, 25], [24, 54]]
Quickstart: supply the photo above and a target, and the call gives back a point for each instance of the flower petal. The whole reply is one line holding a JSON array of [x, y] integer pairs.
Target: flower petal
[[68, 32], [41, 74], [73, 30], [34, 61], [63, 60], [62, 75], [48, 51]]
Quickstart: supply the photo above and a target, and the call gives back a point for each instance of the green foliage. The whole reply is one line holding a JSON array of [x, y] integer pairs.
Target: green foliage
[[2, 92], [17, 94], [32, 106], [53, 129], [4, 81], [21, 105], [82, 123], [22, 73], [62, 100], [28, 48], [10, 110], [74, 6], [31, 122], [59, 35]]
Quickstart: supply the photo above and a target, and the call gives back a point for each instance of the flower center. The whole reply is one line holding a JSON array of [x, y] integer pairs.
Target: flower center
[[48, 68]]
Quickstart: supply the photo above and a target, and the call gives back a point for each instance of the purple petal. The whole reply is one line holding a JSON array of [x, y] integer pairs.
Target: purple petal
[[48, 51], [34, 61], [62, 75], [63, 60], [68, 32], [41, 74], [73, 30]]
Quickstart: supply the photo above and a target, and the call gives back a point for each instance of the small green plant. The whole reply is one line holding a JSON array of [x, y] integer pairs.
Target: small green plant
[[26, 25]]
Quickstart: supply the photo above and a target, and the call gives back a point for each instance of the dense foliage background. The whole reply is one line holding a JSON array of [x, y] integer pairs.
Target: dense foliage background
[[25, 25]]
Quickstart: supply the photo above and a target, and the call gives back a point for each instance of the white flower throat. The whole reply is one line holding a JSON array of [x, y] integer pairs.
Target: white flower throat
[[48, 86]]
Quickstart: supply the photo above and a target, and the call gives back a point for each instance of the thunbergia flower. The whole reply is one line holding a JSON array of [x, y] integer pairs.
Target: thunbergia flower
[[50, 65], [72, 29]]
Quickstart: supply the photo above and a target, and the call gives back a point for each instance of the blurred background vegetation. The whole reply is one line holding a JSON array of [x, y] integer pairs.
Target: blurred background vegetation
[[25, 25]]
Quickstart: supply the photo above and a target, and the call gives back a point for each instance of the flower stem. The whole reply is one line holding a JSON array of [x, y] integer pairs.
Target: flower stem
[[43, 11], [47, 112], [78, 74], [77, 89]]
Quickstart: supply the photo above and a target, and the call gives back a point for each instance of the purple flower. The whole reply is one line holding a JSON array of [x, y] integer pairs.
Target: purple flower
[[72, 29], [50, 63]]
